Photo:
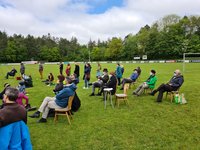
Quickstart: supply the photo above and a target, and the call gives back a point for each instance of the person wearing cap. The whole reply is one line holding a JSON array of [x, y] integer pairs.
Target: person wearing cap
[[59, 101], [112, 83], [131, 79], [174, 84], [101, 81], [149, 83]]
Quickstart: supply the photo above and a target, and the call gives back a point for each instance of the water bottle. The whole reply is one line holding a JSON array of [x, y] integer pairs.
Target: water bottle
[[176, 98]]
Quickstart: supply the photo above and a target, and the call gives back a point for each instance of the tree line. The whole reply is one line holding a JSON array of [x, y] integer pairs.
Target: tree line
[[167, 38]]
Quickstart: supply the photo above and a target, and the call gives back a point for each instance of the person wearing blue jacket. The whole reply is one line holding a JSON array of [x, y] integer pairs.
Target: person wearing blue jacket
[[15, 136], [118, 73], [57, 102], [174, 84], [131, 79]]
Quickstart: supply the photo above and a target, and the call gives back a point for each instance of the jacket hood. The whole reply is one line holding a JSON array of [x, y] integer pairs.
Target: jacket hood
[[72, 86]]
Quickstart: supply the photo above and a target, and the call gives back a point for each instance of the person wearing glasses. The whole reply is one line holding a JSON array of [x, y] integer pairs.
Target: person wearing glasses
[[174, 84]]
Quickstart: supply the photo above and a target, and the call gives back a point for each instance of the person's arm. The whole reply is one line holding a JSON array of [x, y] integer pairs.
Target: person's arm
[[178, 82], [26, 99], [152, 81]]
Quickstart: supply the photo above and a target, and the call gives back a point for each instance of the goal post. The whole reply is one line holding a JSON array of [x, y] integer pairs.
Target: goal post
[[190, 57]]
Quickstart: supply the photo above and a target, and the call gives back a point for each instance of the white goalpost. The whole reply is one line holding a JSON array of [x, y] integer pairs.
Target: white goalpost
[[188, 57]]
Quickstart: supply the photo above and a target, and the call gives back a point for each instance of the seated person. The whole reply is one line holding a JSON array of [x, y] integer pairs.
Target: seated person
[[15, 136], [11, 111], [49, 80], [21, 87], [59, 85], [59, 101], [139, 70], [6, 85], [149, 83], [74, 78], [131, 79], [11, 73], [27, 80], [102, 80], [112, 83], [173, 85]]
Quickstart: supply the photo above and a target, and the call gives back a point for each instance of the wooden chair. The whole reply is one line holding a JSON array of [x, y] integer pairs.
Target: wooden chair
[[65, 111], [122, 97], [172, 94]]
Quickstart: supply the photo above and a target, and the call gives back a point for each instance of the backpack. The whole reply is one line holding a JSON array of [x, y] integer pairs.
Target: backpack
[[76, 103]]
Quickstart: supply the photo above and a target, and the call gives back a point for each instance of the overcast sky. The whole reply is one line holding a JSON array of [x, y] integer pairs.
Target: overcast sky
[[87, 19]]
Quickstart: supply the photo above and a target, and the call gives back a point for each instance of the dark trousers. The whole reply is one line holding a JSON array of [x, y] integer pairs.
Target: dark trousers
[[126, 80], [61, 71], [119, 81], [163, 88], [9, 74]]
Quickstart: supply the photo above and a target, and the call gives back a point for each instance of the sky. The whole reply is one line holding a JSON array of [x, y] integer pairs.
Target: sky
[[87, 19]]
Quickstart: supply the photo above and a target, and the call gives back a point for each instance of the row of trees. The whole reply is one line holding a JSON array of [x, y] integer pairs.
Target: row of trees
[[167, 38]]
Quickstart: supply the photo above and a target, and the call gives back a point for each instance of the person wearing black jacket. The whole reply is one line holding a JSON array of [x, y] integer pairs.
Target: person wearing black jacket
[[77, 71], [112, 83], [102, 80], [61, 68], [11, 73], [173, 85]]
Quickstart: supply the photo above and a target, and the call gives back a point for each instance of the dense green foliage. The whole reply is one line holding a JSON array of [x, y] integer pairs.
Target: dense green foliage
[[145, 124], [167, 38]]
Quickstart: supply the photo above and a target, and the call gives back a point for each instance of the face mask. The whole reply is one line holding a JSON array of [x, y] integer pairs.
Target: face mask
[[174, 74], [150, 73]]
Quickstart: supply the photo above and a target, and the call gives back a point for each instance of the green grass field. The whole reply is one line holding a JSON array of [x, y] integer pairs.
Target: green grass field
[[145, 124]]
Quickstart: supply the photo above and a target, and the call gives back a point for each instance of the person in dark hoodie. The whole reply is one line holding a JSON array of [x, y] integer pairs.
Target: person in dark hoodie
[[173, 85], [59, 101], [8, 113]]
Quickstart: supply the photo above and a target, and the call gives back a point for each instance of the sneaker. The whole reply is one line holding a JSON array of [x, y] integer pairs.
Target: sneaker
[[35, 115], [42, 120], [92, 94]]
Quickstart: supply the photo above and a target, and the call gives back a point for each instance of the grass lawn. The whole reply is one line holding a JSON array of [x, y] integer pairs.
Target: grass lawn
[[145, 124]]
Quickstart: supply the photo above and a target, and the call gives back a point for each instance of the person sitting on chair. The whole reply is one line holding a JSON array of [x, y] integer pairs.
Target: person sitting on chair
[[112, 83], [59, 101], [149, 83], [11, 73], [11, 111], [101, 81], [59, 84], [173, 85], [131, 79]]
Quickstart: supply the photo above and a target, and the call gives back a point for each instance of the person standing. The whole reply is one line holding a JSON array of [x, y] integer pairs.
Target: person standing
[[87, 75], [41, 68], [118, 73], [61, 68], [98, 73], [68, 69], [77, 71], [22, 69]]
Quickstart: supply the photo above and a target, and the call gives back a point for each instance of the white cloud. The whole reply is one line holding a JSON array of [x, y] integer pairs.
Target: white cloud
[[62, 18]]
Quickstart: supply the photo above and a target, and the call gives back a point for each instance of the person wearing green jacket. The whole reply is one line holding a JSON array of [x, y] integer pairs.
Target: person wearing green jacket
[[149, 83]]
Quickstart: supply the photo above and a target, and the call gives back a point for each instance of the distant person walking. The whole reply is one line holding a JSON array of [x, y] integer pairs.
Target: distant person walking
[[98, 73], [61, 68], [22, 69], [41, 68], [68, 69], [77, 71]]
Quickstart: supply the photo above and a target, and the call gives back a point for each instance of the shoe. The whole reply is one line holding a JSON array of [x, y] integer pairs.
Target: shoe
[[92, 94], [99, 94], [42, 120], [152, 93], [35, 115], [134, 93], [122, 89], [90, 83]]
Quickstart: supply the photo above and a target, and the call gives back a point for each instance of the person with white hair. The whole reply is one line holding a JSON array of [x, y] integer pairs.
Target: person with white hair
[[173, 85]]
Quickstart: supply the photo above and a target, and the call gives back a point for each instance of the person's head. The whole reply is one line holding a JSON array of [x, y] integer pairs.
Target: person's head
[[61, 78], [105, 71], [69, 80], [152, 72], [6, 85], [112, 73], [135, 71], [50, 74], [11, 95], [22, 63], [177, 72], [118, 64]]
